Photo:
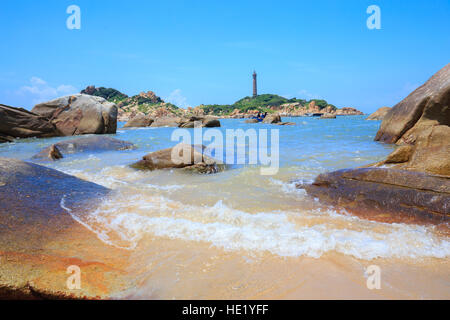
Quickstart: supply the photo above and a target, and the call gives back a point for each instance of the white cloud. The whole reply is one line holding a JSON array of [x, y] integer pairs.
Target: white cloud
[[40, 91], [177, 99]]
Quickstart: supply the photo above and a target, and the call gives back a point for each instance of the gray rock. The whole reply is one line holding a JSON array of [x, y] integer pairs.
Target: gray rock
[[80, 114], [20, 123], [85, 144]]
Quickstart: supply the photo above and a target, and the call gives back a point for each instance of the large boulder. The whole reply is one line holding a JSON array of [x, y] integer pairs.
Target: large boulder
[[191, 157], [42, 234], [211, 122], [422, 121], [427, 106], [415, 178], [166, 122], [20, 123], [380, 191], [272, 118], [80, 114], [85, 144], [430, 153], [139, 120], [379, 114]]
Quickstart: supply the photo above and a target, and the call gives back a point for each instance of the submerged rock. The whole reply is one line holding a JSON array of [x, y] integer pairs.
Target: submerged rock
[[383, 190], [39, 238], [20, 123], [191, 157], [251, 121], [85, 144], [379, 114], [80, 114]]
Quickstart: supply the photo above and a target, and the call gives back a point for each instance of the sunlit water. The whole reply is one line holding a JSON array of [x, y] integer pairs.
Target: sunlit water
[[240, 214]]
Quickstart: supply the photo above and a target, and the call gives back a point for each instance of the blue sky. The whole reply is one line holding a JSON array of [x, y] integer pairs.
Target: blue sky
[[194, 52]]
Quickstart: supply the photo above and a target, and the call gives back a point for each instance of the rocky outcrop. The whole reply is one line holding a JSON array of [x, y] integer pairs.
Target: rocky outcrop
[[422, 121], [20, 123], [425, 107], [85, 144], [205, 122], [80, 114], [189, 157], [414, 179], [272, 119], [166, 122], [251, 121], [328, 116], [379, 114], [211, 122], [430, 153], [139, 120], [346, 111], [376, 191], [40, 239]]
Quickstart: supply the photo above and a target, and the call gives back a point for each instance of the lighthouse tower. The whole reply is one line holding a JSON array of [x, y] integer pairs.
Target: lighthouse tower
[[255, 86]]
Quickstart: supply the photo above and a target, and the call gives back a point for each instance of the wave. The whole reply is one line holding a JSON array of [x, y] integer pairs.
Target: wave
[[290, 234]]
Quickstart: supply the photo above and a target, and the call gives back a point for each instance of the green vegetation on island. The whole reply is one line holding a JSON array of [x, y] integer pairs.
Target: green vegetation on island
[[149, 102], [265, 103]]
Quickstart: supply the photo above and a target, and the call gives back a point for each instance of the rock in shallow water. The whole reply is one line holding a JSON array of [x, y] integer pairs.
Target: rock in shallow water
[[383, 190], [39, 239], [189, 157], [85, 144]]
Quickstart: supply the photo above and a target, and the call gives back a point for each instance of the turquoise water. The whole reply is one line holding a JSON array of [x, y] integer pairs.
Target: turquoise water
[[318, 144], [240, 209]]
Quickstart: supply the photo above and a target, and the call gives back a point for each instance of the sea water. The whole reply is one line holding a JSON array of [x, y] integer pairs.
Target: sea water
[[227, 235]]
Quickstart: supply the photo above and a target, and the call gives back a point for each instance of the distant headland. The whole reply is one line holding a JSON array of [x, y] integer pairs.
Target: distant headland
[[150, 104]]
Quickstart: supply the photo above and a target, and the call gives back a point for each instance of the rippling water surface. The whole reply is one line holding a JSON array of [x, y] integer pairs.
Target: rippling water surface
[[228, 235]]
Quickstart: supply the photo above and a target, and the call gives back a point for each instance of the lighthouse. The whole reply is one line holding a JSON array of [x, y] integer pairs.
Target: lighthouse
[[255, 85]]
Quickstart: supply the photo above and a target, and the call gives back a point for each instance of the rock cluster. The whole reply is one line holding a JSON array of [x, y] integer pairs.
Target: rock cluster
[[142, 120], [415, 178]]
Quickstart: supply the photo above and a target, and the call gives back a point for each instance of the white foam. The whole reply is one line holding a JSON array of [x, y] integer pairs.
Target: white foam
[[274, 232]]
